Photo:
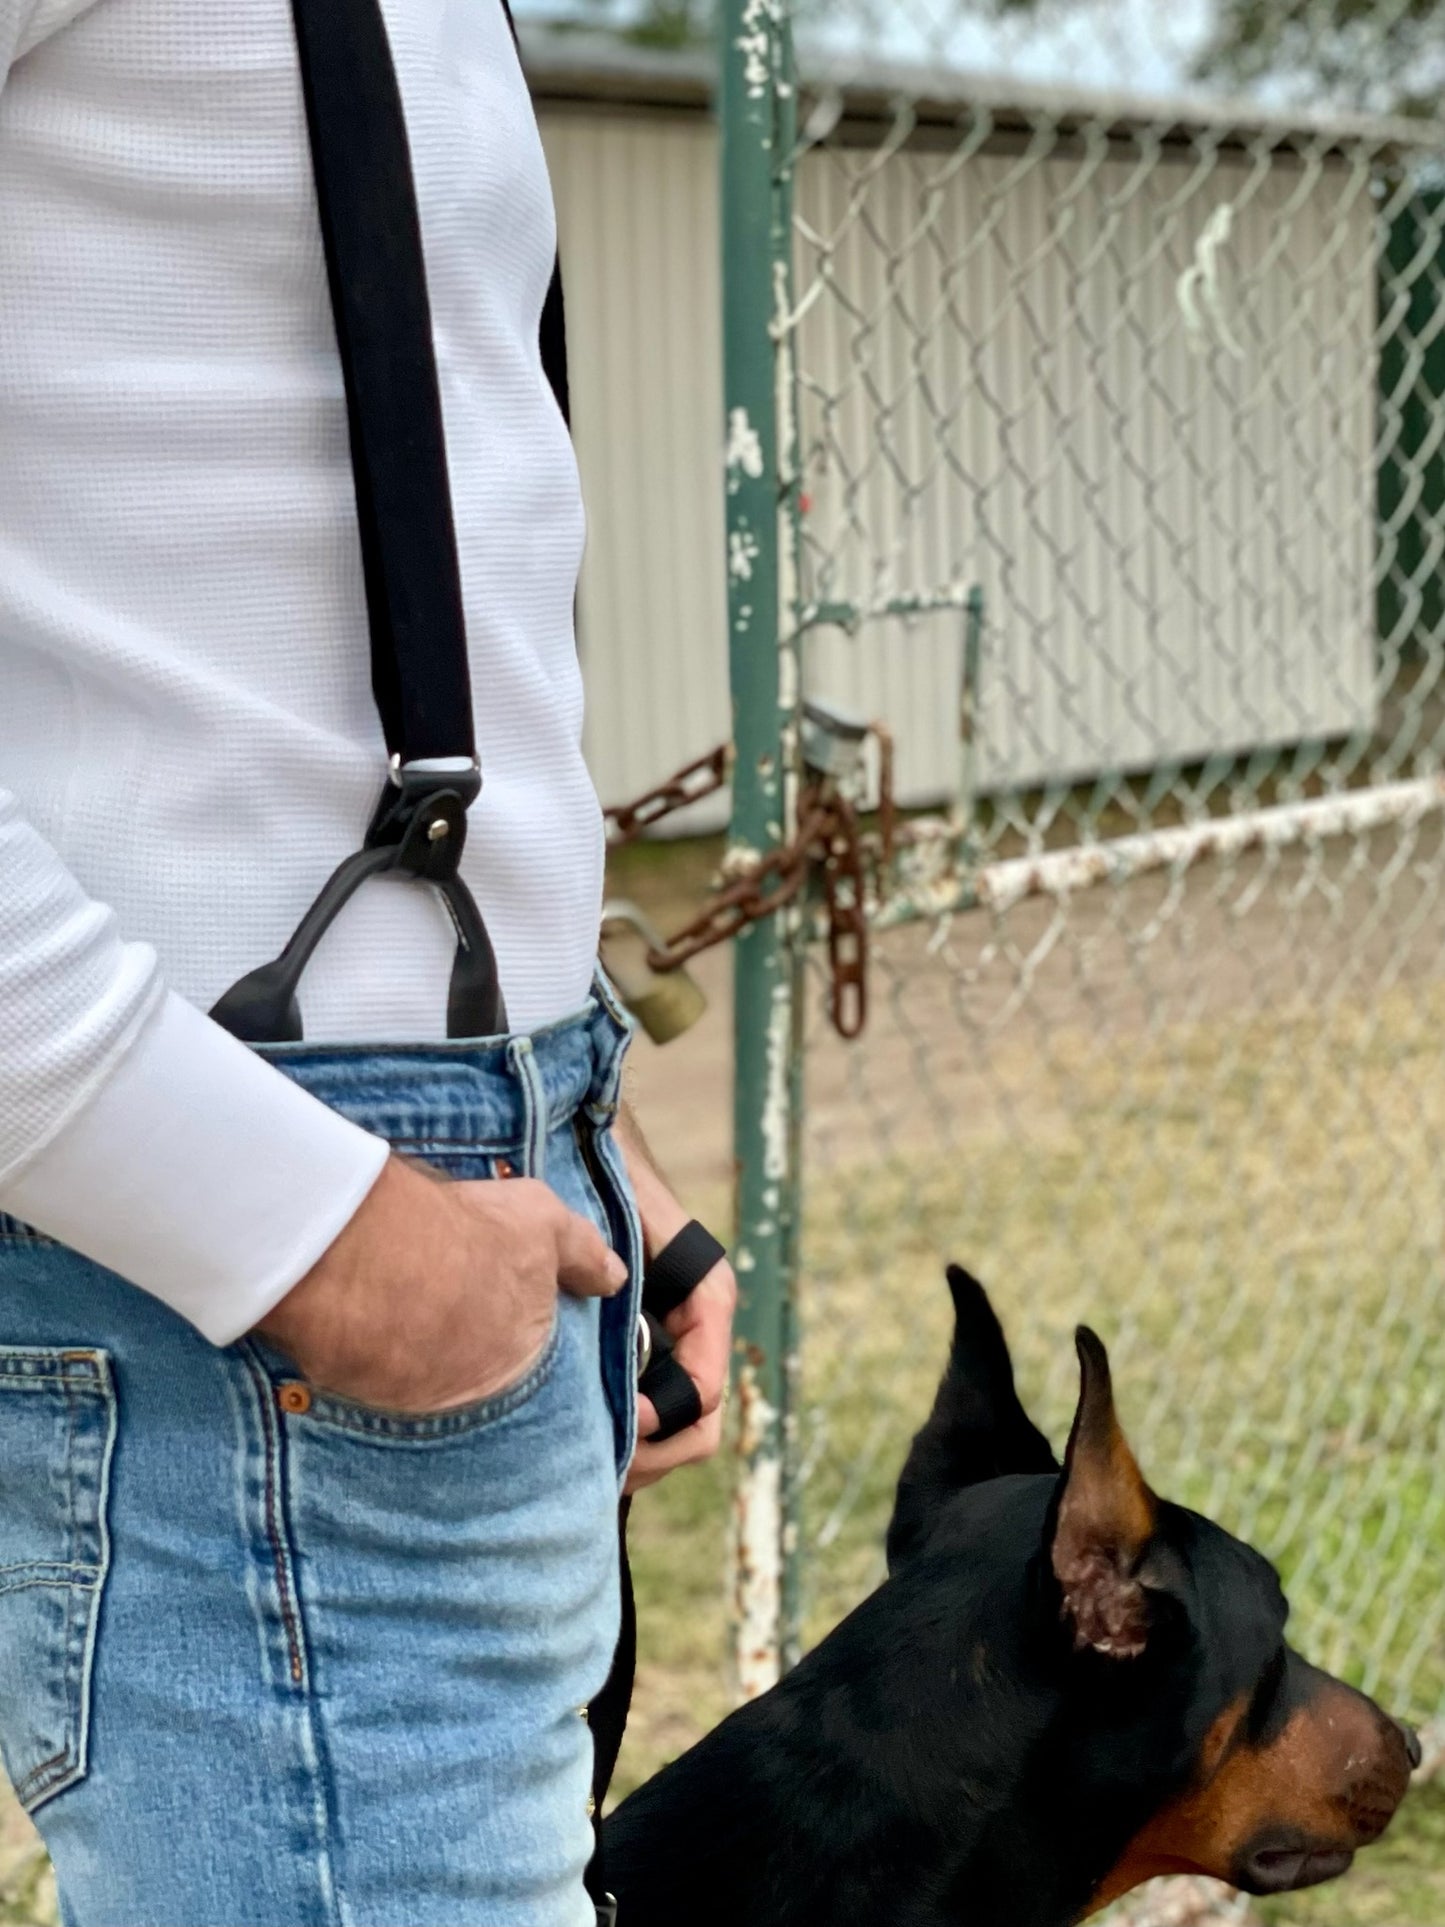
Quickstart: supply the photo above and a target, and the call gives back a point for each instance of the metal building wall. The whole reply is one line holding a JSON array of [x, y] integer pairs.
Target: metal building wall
[[638, 224], [1144, 506], [1171, 525]]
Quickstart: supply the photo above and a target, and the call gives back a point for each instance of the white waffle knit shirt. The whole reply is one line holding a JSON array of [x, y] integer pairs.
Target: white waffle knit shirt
[[188, 742]]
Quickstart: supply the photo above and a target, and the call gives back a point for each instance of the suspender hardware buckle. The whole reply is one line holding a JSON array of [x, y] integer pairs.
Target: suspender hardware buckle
[[422, 813], [419, 830]]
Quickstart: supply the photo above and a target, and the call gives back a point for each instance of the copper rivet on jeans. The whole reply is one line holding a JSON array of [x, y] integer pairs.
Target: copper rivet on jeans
[[505, 1168], [293, 1396]]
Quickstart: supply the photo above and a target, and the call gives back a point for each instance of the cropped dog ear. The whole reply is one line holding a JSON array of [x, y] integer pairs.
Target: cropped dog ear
[[1104, 1520], [977, 1429]]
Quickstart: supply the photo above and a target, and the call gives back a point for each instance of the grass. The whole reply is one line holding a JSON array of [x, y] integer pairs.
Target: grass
[[27, 1888]]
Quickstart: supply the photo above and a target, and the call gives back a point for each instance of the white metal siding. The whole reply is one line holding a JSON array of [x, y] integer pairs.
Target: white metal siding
[[637, 215], [1175, 544]]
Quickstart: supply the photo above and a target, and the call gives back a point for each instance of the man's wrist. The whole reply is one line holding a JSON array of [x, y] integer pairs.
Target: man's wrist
[[661, 1214], [201, 1173]]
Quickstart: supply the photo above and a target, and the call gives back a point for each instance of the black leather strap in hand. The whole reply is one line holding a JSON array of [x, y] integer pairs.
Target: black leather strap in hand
[[672, 1275], [674, 1396], [675, 1272]]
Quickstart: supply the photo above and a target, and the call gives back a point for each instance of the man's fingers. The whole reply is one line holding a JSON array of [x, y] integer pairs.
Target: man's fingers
[[653, 1462], [702, 1335], [587, 1266], [701, 1329]]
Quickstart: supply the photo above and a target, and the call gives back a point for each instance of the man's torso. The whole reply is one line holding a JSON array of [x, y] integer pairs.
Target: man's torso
[[187, 712]]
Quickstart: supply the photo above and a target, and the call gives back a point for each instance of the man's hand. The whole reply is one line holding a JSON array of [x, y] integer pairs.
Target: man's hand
[[701, 1327], [438, 1294]]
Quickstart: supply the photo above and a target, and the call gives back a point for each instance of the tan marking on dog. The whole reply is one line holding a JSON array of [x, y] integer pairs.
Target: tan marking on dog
[[1334, 1774]]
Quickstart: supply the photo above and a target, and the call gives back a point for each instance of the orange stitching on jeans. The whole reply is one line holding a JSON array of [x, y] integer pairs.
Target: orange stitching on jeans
[[273, 1530]]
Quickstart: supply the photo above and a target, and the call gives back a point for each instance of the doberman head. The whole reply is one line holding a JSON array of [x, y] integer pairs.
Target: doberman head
[[1066, 1686], [1183, 1706]]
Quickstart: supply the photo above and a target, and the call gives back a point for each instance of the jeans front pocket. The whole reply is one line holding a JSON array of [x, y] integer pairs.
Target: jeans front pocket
[[57, 1435], [386, 1427]]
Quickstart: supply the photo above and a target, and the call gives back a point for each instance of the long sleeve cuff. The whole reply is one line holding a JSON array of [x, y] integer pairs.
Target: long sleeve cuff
[[200, 1173]]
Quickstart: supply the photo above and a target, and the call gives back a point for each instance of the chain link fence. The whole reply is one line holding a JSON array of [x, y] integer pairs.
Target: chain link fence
[[1111, 426]]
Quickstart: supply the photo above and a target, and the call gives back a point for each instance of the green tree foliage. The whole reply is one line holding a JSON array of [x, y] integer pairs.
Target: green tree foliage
[[655, 23], [1380, 55], [1383, 56]]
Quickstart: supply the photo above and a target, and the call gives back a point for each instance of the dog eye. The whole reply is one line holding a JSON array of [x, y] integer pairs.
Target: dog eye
[[1265, 1694]]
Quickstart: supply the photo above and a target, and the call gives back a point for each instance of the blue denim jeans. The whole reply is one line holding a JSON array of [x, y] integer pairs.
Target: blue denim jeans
[[262, 1665]]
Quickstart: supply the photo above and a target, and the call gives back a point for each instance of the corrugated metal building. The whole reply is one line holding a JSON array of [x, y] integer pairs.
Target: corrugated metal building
[[1167, 500]]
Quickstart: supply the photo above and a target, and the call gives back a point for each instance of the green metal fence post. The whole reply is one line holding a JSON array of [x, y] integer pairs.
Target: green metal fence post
[[756, 242]]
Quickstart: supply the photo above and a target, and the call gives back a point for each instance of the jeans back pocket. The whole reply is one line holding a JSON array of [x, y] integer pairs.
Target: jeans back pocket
[[57, 1434]]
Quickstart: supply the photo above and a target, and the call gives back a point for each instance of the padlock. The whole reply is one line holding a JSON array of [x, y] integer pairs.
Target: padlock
[[833, 742], [665, 1003]]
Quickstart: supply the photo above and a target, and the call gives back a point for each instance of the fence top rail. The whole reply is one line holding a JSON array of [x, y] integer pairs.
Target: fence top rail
[[590, 68]]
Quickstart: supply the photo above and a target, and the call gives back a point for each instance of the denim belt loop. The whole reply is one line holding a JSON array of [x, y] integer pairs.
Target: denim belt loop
[[607, 1087], [606, 995], [522, 1060]]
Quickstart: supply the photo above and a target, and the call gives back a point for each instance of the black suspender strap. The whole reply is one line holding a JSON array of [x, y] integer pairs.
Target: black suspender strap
[[366, 197], [367, 202]]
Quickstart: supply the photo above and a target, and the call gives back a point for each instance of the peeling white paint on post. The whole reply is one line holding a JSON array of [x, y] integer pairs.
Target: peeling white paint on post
[[744, 451], [742, 553], [738, 860], [758, 1536], [777, 1110], [757, 150], [756, 43]]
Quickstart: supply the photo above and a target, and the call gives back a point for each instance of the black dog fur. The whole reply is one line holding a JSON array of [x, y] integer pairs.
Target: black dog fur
[[1036, 1693]]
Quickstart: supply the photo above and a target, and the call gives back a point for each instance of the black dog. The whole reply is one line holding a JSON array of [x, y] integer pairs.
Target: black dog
[[1064, 1687]]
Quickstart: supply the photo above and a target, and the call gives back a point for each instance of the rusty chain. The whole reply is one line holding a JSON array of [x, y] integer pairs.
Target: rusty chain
[[845, 893], [828, 838], [690, 784]]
